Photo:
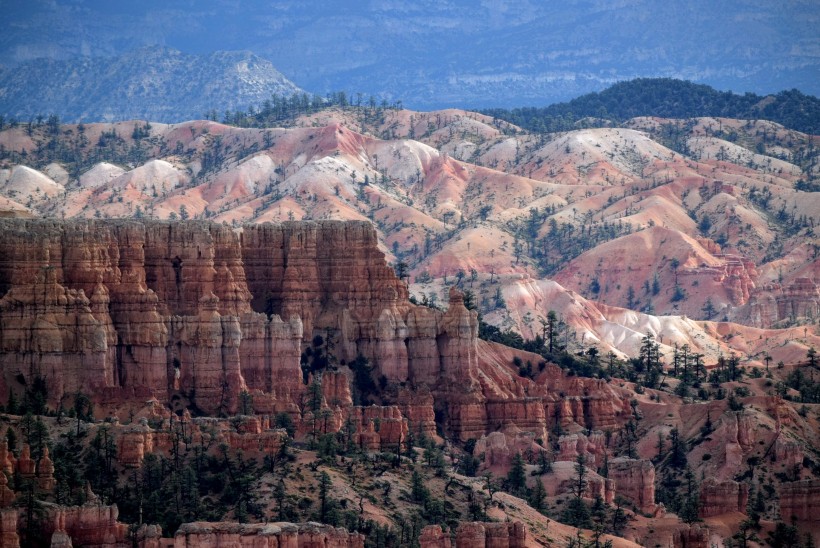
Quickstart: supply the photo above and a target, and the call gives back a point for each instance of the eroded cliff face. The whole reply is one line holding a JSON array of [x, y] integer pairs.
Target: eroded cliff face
[[634, 480], [194, 313], [265, 535], [799, 500], [197, 311], [476, 534], [720, 497], [774, 303]]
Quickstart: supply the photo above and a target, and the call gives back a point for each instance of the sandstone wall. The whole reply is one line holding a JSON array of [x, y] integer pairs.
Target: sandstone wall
[[800, 499], [131, 310], [265, 535], [635, 481], [774, 302], [476, 534], [721, 497], [195, 313], [692, 536], [8, 528]]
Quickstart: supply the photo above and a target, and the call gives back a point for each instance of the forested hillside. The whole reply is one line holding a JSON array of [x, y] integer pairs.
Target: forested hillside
[[666, 98]]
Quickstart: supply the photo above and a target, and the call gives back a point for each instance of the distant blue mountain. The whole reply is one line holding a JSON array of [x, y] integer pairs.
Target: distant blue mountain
[[152, 83], [436, 53]]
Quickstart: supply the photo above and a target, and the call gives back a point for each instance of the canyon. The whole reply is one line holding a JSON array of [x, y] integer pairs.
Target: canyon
[[305, 323], [168, 326], [527, 223]]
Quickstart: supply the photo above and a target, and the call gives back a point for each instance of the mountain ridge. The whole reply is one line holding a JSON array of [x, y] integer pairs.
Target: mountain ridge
[[437, 55], [667, 98], [157, 83]]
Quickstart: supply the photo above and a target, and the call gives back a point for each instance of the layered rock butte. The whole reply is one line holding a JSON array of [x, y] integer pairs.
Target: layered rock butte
[[133, 310], [199, 312], [195, 313]]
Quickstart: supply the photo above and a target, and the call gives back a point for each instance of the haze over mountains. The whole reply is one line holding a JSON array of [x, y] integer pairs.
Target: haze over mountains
[[437, 54], [151, 83]]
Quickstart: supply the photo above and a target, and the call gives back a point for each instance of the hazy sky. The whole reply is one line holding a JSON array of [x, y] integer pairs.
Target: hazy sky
[[441, 52]]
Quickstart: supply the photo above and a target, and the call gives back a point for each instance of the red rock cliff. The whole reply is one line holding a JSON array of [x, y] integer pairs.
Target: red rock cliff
[[129, 310], [196, 313], [476, 534], [265, 535], [800, 500]]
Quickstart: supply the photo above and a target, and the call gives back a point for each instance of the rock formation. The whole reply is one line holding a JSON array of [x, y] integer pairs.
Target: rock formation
[[499, 448], [635, 481], [8, 528], [88, 525], [265, 535], [477, 534], [719, 497], [491, 535], [584, 403], [45, 472], [775, 302], [433, 537], [738, 275], [198, 313], [693, 536], [787, 453], [7, 496], [592, 447], [251, 435], [800, 499], [128, 310], [563, 477]]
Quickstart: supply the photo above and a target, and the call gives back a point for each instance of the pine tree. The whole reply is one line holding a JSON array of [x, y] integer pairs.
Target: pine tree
[[598, 512], [544, 464], [631, 303], [580, 481], [12, 406], [691, 503], [708, 308], [83, 409], [418, 491], [650, 357], [619, 517], [517, 476], [577, 512], [745, 534], [245, 403], [551, 330], [783, 536], [279, 495], [630, 438], [11, 439], [537, 495], [38, 438], [324, 488], [677, 451]]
